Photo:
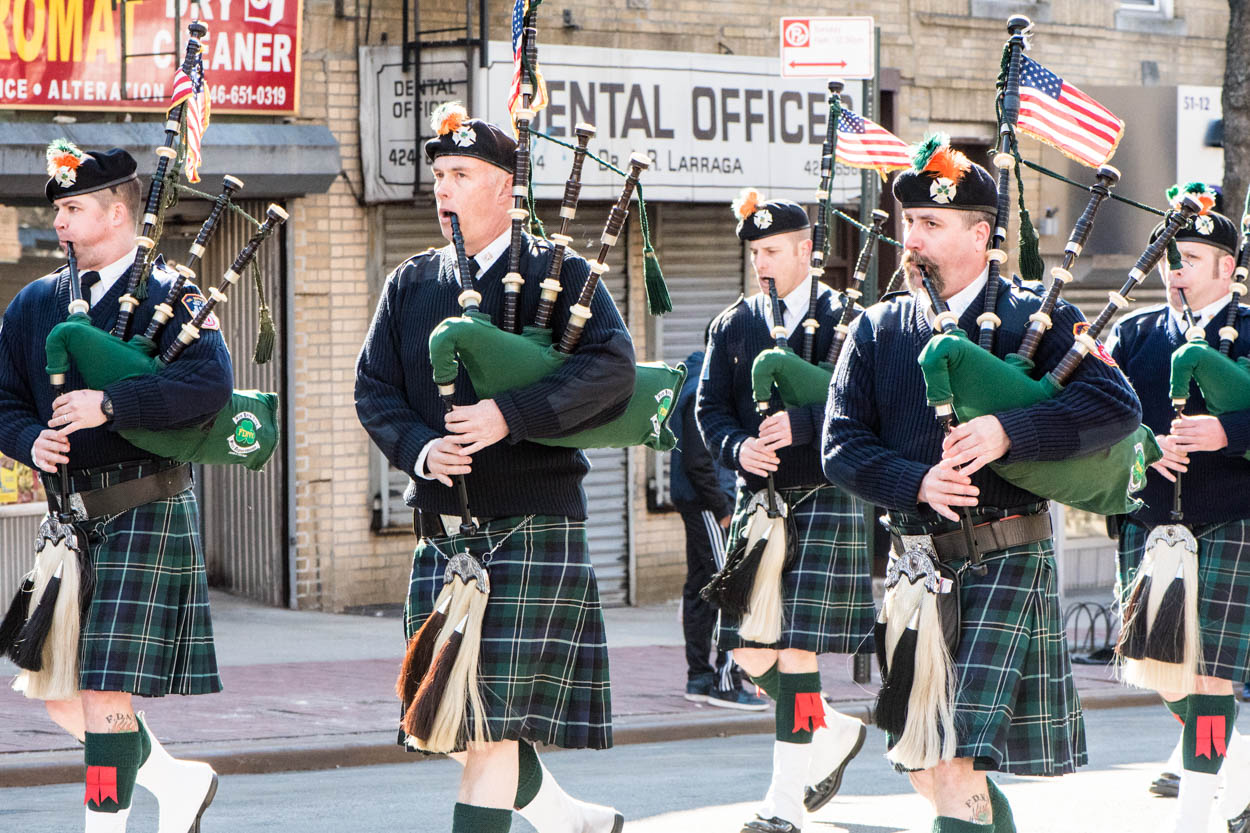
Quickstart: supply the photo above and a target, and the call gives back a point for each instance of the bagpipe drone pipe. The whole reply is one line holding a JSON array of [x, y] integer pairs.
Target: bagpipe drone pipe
[[1223, 380], [971, 381], [497, 360], [245, 432]]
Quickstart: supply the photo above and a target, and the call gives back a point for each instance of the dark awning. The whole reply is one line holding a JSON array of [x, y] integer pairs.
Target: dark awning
[[273, 160]]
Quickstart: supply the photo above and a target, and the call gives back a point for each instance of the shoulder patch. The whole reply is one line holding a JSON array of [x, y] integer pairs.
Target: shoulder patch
[[194, 302], [1099, 351]]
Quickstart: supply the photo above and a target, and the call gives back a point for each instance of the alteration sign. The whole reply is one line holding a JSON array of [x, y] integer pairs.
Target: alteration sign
[[827, 47]]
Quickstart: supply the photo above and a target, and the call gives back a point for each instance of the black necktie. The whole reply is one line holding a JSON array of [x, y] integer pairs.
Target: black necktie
[[88, 279], [781, 305], [475, 268]]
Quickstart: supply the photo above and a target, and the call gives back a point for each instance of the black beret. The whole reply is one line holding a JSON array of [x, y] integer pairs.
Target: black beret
[[458, 135], [1210, 227], [942, 177], [72, 171], [759, 218]]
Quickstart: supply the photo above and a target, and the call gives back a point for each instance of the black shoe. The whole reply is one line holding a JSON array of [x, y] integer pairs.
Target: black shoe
[[1167, 785], [818, 796], [1240, 824], [773, 825]]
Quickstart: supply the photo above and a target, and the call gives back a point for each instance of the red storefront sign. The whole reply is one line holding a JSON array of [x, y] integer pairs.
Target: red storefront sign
[[67, 54]]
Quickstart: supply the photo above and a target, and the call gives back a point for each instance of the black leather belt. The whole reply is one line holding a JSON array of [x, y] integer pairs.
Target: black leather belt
[[113, 500], [992, 536], [433, 525]]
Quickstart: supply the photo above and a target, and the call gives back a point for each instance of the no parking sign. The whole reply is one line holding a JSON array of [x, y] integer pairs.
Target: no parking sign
[[825, 47]]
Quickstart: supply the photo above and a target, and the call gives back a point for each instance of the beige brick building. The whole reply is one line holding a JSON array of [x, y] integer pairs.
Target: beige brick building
[[939, 59]]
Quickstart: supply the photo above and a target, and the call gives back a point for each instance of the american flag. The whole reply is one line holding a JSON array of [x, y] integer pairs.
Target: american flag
[[865, 144], [519, 10], [190, 88], [1058, 114]]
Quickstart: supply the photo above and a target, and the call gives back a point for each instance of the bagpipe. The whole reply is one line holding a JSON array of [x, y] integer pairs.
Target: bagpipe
[[965, 379], [245, 432], [40, 631], [1223, 380], [800, 379]]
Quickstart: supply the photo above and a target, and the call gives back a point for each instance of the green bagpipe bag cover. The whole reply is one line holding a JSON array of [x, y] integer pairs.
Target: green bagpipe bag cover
[[1103, 482], [245, 432], [1224, 382], [498, 361], [799, 382]]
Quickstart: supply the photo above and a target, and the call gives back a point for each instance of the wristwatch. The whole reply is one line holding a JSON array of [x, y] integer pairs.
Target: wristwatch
[[106, 406]]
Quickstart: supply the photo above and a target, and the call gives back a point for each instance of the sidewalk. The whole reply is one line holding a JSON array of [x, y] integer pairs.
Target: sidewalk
[[316, 691]]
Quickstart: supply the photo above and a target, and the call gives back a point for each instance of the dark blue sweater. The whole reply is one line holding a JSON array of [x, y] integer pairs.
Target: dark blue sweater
[[726, 407], [398, 402], [194, 387], [1211, 491], [881, 436], [697, 482]]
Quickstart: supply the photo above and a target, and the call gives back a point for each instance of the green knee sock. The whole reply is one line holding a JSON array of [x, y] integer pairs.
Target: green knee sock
[[113, 759], [1003, 821], [469, 818], [529, 775], [770, 682], [1207, 731], [799, 710], [1180, 708], [946, 824]]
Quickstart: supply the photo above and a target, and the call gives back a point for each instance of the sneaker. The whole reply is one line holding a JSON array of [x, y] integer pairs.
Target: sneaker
[[736, 698], [698, 688]]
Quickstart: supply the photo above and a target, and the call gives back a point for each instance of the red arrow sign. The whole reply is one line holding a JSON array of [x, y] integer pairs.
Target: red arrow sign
[[827, 64]]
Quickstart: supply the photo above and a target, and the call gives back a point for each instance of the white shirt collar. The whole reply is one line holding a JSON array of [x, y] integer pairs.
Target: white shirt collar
[[961, 300], [493, 251], [109, 275], [797, 302], [1202, 316]]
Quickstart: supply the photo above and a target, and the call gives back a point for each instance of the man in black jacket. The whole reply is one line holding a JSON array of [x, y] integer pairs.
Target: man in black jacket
[[703, 491]]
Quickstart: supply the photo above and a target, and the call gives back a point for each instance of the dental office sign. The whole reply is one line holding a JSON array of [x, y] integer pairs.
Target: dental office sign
[[67, 54], [709, 124]]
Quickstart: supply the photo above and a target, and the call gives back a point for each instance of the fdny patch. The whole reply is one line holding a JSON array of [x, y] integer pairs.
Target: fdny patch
[[1100, 352], [194, 302]]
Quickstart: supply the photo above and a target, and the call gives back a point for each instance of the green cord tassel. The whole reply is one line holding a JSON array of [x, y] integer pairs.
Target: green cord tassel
[[1174, 255], [658, 300], [267, 334], [1032, 267]]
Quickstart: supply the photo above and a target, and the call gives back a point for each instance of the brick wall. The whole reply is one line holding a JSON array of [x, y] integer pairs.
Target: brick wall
[[947, 60]]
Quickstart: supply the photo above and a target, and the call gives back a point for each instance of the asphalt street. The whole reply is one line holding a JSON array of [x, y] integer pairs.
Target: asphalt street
[[703, 786]]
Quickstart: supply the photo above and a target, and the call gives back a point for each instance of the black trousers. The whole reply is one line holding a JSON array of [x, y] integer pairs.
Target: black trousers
[[705, 554]]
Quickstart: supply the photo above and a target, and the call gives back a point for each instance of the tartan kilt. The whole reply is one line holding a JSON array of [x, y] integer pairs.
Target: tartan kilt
[[1223, 592], [826, 596], [1016, 706], [147, 630], [544, 655]]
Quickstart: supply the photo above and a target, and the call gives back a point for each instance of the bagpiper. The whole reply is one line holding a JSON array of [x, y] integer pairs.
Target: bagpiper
[[542, 673], [1207, 454], [822, 596], [983, 649], [145, 630]]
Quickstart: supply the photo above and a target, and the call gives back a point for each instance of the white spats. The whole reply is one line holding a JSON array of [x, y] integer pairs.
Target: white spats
[[182, 788], [1195, 801], [784, 799], [107, 822], [553, 810], [832, 744], [1236, 775]]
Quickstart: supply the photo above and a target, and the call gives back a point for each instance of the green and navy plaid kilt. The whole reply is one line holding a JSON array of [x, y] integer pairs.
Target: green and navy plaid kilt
[[147, 630], [827, 605], [544, 660], [1223, 592]]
